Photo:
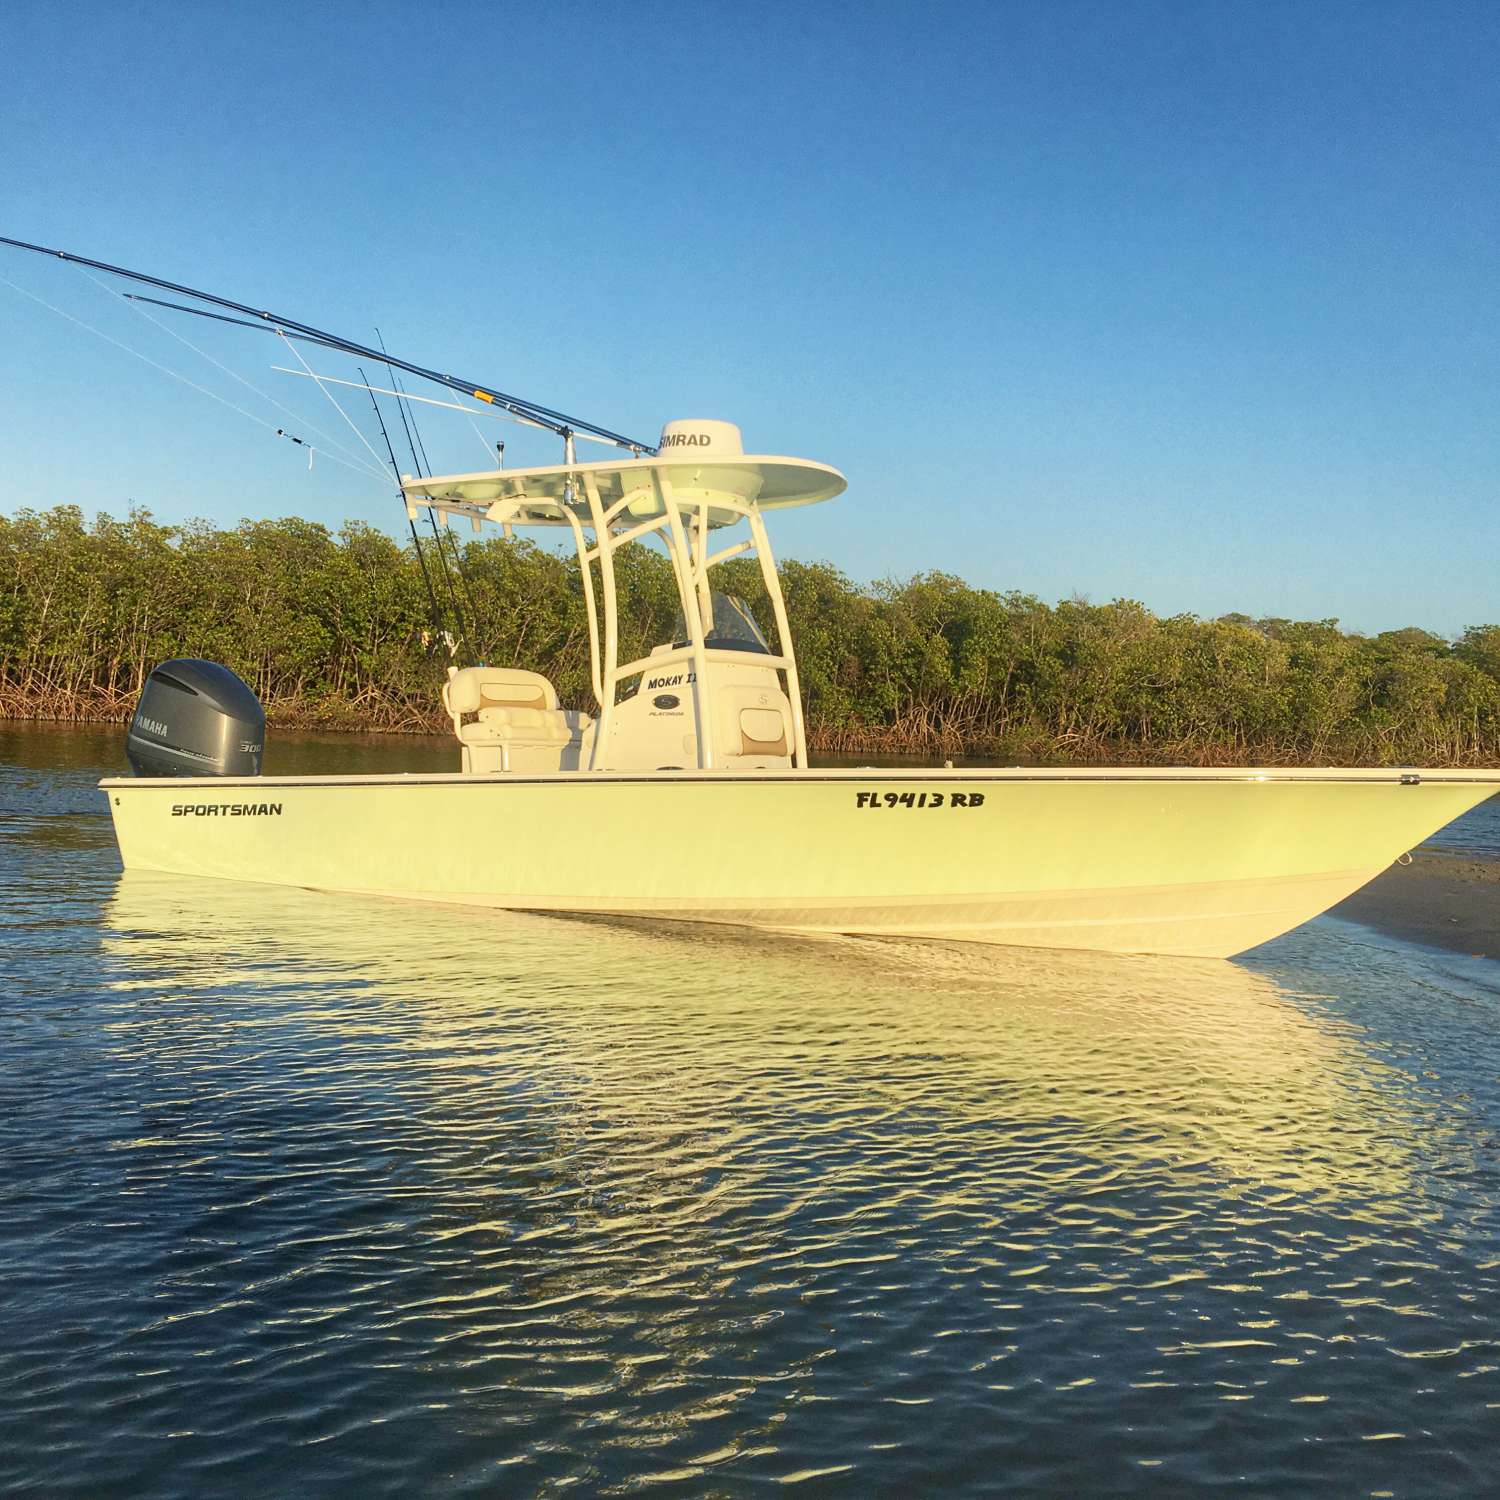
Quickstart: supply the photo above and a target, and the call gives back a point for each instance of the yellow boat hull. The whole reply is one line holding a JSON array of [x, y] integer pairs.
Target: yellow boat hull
[[1202, 863]]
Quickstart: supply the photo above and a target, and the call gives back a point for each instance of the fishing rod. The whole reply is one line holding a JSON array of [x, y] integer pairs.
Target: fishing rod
[[203, 312], [416, 541], [424, 469], [554, 421], [380, 390]]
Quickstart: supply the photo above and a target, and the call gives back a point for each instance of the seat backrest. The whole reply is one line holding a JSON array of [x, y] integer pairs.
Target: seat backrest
[[763, 731], [473, 688]]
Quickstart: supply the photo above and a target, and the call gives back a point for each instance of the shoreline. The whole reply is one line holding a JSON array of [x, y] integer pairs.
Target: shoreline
[[1441, 899], [836, 744]]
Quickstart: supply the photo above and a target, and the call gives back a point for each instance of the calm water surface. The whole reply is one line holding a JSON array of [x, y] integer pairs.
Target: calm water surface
[[304, 1194]]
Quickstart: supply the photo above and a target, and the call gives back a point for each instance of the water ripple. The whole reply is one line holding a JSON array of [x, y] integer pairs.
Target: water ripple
[[313, 1194]]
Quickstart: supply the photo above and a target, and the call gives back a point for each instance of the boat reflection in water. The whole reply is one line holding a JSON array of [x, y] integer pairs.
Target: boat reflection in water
[[620, 1201], [637, 1029]]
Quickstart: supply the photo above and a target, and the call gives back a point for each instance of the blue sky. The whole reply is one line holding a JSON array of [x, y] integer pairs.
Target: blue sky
[[1189, 303]]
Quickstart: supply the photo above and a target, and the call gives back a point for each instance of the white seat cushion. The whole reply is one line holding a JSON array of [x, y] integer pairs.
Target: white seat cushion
[[474, 688], [519, 726]]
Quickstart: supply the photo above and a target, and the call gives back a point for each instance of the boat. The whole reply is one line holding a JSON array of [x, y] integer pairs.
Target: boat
[[686, 793]]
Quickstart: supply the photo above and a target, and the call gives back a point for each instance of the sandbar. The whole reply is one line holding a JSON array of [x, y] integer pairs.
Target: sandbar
[[1444, 900]]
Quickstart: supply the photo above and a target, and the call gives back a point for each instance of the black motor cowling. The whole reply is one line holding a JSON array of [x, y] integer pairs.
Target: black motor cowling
[[196, 718]]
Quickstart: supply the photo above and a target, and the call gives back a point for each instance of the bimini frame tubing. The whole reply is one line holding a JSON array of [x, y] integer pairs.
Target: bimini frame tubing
[[684, 528], [762, 545], [688, 552]]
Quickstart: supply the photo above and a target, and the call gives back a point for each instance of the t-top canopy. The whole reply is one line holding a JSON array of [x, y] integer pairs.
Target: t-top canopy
[[699, 461]]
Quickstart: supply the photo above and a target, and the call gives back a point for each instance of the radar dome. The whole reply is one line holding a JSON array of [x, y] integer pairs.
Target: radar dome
[[701, 437]]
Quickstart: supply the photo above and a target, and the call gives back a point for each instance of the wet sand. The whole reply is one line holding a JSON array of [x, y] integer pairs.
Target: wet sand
[[1447, 900]]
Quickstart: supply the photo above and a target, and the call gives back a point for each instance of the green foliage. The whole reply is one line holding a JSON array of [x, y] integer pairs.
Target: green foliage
[[337, 629]]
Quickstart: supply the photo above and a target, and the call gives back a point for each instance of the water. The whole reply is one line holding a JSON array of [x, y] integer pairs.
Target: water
[[310, 1194], [1477, 834]]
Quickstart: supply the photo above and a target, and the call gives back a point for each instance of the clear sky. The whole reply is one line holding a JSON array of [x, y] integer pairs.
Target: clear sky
[[1192, 303]]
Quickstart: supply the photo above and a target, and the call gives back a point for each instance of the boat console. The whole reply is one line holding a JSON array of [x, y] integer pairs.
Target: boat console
[[506, 719], [718, 695]]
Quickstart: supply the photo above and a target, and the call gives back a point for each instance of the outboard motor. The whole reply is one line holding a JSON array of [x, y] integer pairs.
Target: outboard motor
[[196, 718]]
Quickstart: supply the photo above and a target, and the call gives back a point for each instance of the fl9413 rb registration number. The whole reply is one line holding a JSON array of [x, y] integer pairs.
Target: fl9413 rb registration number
[[918, 799]]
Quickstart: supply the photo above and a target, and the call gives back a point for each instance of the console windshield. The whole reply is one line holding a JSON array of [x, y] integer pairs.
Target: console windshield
[[733, 628]]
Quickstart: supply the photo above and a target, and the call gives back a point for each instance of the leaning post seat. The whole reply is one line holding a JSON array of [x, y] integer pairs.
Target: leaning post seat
[[508, 719], [470, 689]]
